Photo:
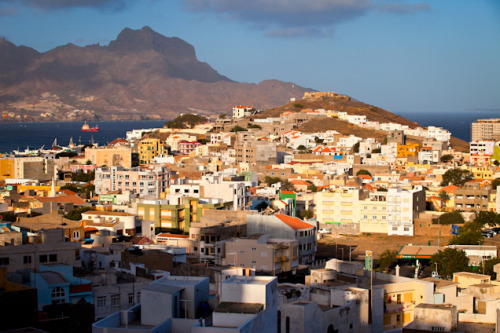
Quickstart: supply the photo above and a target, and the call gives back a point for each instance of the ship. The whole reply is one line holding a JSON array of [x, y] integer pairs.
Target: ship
[[87, 128]]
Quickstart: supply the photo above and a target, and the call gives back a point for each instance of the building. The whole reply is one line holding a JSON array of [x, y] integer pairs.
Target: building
[[109, 156], [152, 180], [187, 147], [472, 197], [46, 247], [241, 111], [433, 318], [56, 284], [176, 213], [286, 227], [117, 223], [409, 149], [176, 304], [261, 253], [485, 129], [256, 152], [403, 207], [150, 148], [338, 208]]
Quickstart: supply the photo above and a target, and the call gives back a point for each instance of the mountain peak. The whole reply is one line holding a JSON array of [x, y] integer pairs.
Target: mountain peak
[[130, 40]]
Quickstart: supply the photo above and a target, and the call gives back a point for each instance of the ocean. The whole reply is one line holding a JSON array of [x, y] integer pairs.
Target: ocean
[[36, 135], [458, 123]]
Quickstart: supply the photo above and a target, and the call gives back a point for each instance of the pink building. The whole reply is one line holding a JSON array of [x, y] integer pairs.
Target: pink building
[[187, 147], [151, 180]]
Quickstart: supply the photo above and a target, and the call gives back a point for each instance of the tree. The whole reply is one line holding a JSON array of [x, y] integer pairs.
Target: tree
[[355, 148], [449, 218], [301, 147], [255, 126], [495, 183], [70, 187], [377, 151], [307, 214], [450, 261], [311, 187], [318, 140], [456, 177], [487, 219], [488, 267], [443, 195], [261, 206], [446, 158], [363, 172], [298, 106], [222, 116], [470, 234], [238, 129], [387, 259], [187, 120], [76, 214]]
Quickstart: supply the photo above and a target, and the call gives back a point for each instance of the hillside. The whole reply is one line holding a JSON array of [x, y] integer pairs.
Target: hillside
[[351, 106], [140, 75]]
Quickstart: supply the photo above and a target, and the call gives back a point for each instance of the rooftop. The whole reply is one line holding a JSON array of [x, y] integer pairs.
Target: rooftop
[[293, 222], [236, 307]]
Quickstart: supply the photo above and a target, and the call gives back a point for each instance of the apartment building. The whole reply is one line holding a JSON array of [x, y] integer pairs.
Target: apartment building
[[485, 129], [150, 148], [472, 197], [241, 111], [176, 212], [481, 147], [256, 152], [261, 253], [403, 207], [373, 213], [151, 180], [409, 149], [286, 227], [339, 209]]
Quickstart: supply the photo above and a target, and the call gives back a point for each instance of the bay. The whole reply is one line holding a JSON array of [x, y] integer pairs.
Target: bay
[[36, 135]]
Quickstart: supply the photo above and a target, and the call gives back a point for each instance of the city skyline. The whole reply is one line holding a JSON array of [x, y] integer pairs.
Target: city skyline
[[399, 55]]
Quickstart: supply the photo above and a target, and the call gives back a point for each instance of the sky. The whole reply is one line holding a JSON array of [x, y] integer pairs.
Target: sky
[[401, 55]]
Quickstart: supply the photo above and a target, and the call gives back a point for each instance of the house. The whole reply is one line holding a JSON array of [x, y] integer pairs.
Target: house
[[286, 227]]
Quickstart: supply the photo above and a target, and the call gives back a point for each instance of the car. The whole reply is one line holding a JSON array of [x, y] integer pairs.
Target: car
[[487, 233], [325, 231]]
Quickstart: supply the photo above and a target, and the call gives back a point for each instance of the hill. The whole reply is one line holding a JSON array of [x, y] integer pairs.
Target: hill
[[332, 101], [140, 75]]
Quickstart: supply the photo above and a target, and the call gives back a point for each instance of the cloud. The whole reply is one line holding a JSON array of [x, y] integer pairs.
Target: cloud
[[114, 5], [289, 18]]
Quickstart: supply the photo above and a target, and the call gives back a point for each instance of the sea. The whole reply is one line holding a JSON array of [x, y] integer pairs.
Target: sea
[[42, 134]]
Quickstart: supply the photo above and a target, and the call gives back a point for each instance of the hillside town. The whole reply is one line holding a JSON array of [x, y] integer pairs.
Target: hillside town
[[248, 222]]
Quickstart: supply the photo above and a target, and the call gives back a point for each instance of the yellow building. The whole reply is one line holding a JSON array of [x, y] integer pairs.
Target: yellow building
[[409, 149], [482, 173], [149, 148], [6, 168], [373, 216], [110, 156]]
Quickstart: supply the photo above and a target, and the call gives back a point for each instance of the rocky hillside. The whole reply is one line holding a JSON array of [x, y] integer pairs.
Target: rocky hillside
[[140, 75]]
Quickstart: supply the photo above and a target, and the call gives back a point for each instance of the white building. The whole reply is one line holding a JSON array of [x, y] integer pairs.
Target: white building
[[403, 207], [241, 110], [481, 147]]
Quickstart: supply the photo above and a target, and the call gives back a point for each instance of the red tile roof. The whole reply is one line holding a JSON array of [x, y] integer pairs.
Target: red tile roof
[[293, 222], [299, 182], [288, 192]]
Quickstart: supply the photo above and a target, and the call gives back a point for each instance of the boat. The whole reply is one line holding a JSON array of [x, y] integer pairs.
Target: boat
[[87, 128]]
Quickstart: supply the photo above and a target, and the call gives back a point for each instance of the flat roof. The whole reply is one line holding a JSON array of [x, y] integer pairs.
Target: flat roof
[[163, 288], [236, 307]]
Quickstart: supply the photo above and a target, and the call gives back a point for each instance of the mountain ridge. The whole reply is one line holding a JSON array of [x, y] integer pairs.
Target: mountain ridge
[[139, 75]]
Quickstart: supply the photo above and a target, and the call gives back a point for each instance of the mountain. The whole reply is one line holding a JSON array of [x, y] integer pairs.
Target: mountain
[[140, 75]]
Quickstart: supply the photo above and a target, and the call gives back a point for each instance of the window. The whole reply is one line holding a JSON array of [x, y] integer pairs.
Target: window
[[115, 300], [101, 302], [58, 295], [27, 259], [4, 262], [43, 258], [130, 298], [76, 234], [139, 297], [52, 257]]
